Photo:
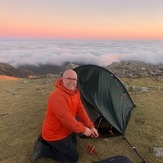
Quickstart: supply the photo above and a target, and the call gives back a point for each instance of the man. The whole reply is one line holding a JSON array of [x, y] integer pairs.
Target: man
[[60, 125]]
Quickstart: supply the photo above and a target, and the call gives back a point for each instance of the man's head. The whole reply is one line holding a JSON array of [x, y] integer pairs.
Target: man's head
[[69, 79]]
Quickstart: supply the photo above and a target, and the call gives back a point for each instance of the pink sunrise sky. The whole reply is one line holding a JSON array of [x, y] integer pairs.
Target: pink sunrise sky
[[81, 19]]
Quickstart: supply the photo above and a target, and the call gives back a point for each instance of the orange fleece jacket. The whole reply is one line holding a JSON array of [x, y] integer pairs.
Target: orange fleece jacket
[[60, 120]]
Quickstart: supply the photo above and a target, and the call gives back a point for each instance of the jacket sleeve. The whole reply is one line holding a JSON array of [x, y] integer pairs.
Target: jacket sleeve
[[60, 109], [83, 116]]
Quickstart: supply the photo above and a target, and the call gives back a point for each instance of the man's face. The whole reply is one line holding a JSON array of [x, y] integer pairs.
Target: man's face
[[70, 80]]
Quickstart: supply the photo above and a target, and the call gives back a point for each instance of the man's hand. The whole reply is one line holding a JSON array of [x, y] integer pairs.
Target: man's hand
[[88, 132], [95, 133]]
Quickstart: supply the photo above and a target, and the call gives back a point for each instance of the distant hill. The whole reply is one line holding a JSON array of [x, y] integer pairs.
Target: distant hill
[[44, 69], [47, 68], [120, 69], [6, 69], [135, 69], [25, 70]]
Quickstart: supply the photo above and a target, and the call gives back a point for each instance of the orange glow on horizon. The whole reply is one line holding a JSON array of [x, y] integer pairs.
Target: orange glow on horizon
[[81, 20], [115, 31], [19, 33]]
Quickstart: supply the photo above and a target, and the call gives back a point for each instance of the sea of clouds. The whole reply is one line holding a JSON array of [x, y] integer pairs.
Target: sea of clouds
[[57, 52]]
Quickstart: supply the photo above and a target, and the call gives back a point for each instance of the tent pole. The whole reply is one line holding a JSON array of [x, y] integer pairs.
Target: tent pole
[[143, 160], [99, 122]]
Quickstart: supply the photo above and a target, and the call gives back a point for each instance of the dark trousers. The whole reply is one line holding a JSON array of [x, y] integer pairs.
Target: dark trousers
[[61, 150]]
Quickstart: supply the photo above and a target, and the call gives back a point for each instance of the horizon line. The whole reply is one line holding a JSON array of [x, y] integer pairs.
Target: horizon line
[[79, 39]]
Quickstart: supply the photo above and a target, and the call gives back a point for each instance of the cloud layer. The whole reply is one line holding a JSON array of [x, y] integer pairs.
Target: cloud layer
[[88, 52]]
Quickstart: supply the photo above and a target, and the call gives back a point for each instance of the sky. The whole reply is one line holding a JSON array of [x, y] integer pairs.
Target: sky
[[81, 19]]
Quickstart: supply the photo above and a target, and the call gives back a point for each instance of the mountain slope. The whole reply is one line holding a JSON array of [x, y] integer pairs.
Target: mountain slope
[[6, 69]]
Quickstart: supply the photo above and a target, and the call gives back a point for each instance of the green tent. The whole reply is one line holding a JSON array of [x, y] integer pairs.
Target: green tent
[[103, 95]]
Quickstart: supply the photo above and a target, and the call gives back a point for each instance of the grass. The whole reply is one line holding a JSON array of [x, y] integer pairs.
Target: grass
[[23, 107]]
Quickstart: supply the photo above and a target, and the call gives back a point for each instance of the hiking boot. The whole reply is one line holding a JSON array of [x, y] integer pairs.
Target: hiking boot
[[36, 154]]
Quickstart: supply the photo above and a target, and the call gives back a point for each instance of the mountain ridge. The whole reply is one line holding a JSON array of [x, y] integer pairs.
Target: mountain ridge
[[120, 69]]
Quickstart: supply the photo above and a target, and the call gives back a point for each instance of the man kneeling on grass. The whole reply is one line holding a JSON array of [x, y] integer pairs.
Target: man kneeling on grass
[[60, 126]]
